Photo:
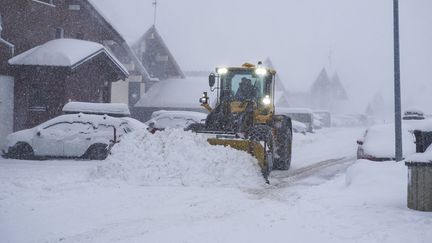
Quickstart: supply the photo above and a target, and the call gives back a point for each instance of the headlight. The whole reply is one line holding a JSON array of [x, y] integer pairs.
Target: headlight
[[222, 71], [261, 71], [266, 100]]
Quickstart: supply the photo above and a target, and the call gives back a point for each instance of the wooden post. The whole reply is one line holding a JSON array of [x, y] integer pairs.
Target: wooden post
[[420, 186]]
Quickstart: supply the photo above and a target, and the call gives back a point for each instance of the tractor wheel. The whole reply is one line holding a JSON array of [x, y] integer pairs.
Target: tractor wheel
[[20, 150], [264, 134], [283, 146], [195, 127]]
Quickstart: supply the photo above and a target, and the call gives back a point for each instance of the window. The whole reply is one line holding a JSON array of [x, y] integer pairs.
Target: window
[[59, 33], [73, 5], [245, 84], [38, 97], [67, 129], [79, 36]]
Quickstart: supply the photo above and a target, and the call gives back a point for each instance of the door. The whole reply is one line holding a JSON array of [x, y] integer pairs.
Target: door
[[47, 141], [78, 138]]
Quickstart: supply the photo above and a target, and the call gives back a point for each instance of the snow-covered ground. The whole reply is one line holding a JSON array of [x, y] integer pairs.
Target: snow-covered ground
[[173, 187]]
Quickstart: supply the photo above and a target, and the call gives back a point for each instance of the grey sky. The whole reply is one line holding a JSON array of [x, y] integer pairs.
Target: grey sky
[[298, 35]]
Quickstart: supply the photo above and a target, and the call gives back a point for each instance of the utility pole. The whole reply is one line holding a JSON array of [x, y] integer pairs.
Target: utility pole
[[397, 86], [155, 12]]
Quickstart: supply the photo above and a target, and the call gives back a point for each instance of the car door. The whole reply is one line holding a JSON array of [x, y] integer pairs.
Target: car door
[[78, 137], [48, 140]]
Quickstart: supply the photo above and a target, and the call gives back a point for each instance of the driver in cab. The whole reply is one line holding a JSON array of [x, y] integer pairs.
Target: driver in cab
[[246, 90]]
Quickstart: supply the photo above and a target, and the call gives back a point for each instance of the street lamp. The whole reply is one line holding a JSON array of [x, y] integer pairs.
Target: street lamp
[[397, 87]]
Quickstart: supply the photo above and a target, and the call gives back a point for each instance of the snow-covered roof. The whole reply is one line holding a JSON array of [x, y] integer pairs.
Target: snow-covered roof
[[413, 110], [115, 109], [177, 93], [64, 53], [424, 125]]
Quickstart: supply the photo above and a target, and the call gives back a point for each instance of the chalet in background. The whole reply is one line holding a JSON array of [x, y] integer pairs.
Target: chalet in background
[[157, 58]]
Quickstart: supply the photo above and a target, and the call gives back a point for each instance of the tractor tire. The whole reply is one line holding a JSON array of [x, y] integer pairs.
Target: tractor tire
[[283, 147], [20, 150], [263, 133], [196, 127], [98, 151]]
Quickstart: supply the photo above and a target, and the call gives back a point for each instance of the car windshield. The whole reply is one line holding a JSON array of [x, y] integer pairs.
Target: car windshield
[[241, 85]]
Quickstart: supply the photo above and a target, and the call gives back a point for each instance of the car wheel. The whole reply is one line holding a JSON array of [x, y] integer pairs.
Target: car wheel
[[20, 150], [98, 151]]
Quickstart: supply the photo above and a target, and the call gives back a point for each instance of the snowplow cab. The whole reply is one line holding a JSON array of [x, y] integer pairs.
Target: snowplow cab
[[243, 116], [242, 86]]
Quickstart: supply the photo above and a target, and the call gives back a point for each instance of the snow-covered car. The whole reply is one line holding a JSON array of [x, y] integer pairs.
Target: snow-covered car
[[413, 114], [80, 135], [378, 142], [324, 117], [302, 115], [299, 127], [317, 123], [175, 119]]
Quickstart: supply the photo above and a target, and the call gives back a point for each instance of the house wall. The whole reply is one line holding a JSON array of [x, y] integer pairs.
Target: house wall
[[89, 82], [6, 106], [28, 24], [29, 113], [156, 57]]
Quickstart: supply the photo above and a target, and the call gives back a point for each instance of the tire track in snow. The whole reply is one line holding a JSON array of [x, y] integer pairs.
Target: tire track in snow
[[284, 179], [279, 180]]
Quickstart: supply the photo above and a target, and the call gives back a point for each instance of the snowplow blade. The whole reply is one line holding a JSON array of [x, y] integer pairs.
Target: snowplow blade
[[252, 147]]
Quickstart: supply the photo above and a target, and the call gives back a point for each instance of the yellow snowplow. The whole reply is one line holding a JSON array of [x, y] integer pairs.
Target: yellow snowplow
[[244, 116]]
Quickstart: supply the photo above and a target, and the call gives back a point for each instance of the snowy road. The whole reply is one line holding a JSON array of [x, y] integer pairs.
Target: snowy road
[[339, 201]]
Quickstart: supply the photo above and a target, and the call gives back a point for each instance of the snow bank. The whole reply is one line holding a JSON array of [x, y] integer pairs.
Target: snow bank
[[382, 183], [177, 158]]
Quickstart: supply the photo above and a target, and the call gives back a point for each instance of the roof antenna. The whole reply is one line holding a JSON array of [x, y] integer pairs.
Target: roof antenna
[[155, 12]]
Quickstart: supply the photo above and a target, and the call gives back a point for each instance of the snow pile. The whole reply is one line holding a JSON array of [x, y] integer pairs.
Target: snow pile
[[177, 158], [380, 183]]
